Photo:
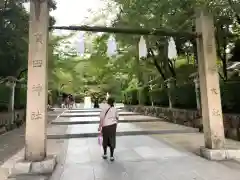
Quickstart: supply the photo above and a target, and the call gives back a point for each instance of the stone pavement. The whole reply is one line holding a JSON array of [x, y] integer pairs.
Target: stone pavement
[[13, 141], [79, 125], [142, 157], [12, 144]]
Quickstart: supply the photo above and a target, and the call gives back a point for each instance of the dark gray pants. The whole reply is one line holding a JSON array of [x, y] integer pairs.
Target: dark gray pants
[[109, 135]]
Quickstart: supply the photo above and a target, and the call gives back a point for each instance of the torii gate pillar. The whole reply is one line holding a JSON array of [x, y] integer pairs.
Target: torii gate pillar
[[37, 89], [212, 116]]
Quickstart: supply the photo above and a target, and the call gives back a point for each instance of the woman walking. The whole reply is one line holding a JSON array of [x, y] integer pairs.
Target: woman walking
[[108, 126]]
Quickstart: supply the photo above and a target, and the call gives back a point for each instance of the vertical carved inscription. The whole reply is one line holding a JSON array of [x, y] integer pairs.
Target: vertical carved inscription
[[37, 88], [36, 115]]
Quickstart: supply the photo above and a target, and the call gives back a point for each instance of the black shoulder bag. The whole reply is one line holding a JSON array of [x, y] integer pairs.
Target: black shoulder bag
[[106, 113]]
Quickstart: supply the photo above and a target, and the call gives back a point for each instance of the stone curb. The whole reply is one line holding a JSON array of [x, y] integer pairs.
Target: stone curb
[[95, 122], [80, 111], [29, 177], [127, 133], [86, 111], [95, 115]]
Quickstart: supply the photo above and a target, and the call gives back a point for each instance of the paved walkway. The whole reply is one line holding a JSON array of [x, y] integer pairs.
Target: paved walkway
[[13, 141], [142, 157], [12, 144], [147, 149]]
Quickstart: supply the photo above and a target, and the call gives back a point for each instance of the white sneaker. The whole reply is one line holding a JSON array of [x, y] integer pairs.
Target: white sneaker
[[112, 159], [104, 156]]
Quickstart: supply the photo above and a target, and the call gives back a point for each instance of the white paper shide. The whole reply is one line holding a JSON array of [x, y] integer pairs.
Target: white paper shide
[[172, 51], [142, 48]]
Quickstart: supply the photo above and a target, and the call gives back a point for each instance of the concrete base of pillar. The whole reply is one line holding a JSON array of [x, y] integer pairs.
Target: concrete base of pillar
[[24, 168], [220, 154]]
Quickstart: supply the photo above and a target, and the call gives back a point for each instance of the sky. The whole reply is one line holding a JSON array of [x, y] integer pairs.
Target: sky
[[74, 12], [77, 12]]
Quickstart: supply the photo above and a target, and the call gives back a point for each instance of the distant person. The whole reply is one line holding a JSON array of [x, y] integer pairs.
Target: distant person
[[108, 126], [67, 101], [71, 101], [96, 103], [18, 121]]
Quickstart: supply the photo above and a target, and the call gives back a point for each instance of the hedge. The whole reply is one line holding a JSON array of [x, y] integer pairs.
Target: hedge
[[144, 96], [4, 97], [20, 97], [131, 97], [159, 97], [184, 96], [230, 97]]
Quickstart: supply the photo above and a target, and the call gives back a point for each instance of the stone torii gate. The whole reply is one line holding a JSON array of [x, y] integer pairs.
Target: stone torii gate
[[35, 147]]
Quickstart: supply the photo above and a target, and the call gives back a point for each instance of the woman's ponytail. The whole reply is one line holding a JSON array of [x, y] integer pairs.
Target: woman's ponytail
[[110, 101]]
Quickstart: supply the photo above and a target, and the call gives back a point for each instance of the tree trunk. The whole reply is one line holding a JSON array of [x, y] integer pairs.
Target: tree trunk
[[171, 86], [172, 69], [195, 53], [139, 76], [224, 68], [158, 67], [224, 59], [165, 59], [188, 58], [221, 33]]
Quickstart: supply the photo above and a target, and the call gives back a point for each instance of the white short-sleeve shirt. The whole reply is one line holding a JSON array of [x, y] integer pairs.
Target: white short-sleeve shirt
[[111, 117]]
